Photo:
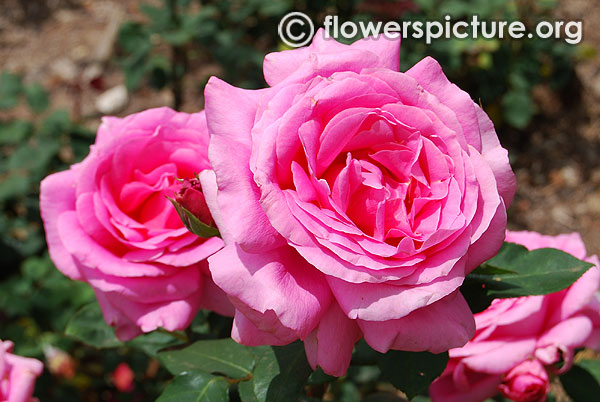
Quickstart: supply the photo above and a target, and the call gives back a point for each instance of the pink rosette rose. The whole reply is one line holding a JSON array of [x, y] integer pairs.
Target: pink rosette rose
[[353, 199], [109, 223], [519, 339], [17, 375]]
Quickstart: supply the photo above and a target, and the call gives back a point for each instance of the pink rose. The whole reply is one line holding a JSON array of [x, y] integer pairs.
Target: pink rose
[[353, 199], [109, 223], [17, 375], [528, 382], [516, 338]]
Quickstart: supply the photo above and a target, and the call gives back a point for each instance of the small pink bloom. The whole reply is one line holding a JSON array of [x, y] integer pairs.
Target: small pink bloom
[[518, 340], [109, 222], [17, 375], [353, 199], [123, 377], [528, 382], [191, 198]]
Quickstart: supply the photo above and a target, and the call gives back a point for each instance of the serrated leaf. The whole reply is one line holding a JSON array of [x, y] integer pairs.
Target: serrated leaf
[[220, 356], [88, 326], [196, 386], [536, 272], [411, 372]]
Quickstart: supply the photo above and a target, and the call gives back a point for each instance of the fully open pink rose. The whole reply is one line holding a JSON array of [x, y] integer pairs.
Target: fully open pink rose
[[353, 199], [17, 375], [109, 223], [518, 339]]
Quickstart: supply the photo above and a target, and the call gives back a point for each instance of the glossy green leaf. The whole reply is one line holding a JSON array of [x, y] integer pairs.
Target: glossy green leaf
[[196, 386], [88, 326], [536, 272], [220, 356]]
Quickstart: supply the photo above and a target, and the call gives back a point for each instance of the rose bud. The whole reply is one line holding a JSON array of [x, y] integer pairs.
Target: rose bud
[[527, 382], [190, 197]]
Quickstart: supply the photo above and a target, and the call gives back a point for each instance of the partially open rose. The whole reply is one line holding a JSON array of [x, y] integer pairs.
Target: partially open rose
[[519, 339], [353, 200], [109, 223]]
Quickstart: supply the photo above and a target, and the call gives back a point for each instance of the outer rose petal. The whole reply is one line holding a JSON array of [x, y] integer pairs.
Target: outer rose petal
[[480, 387], [330, 55], [57, 195], [131, 319], [420, 330], [279, 280], [229, 152], [477, 127], [326, 348], [245, 332]]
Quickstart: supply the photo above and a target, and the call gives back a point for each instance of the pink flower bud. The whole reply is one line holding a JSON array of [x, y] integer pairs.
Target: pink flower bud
[[190, 197], [527, 382]]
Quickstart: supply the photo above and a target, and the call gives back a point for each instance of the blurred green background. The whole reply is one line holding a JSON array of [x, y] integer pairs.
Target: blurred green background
[[65, 63]]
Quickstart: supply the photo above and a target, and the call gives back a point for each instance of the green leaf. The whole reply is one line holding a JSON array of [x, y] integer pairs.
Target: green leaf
[[412, 372], [14, 132], [88, 326], [265, 370], [582, 380], [37, 98], [196, 386], [11, 87], [154, 341], [192, 223], [13, 185], [57, 124], [220, 356], [592, 367], [294, 371], [518, 108], [280, 374], [536, 272]]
